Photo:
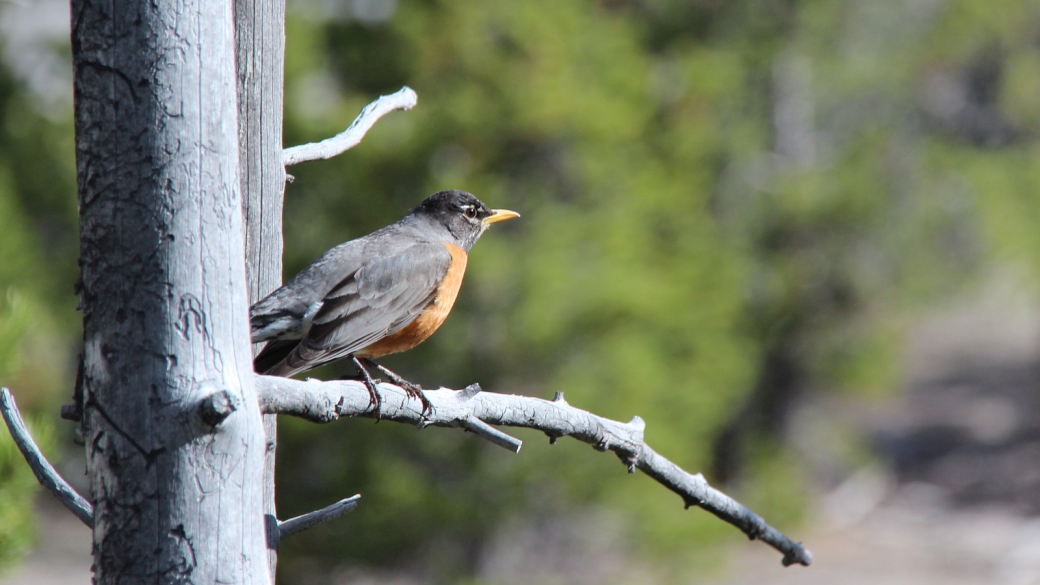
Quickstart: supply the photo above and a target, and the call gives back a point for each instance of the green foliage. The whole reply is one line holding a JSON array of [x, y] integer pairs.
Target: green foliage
[[726, 205], [692, 248], [18, 488], [14, 319], [615, 286], [38, 251]]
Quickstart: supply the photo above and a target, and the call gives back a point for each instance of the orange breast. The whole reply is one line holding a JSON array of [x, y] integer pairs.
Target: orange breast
[[431, 317]]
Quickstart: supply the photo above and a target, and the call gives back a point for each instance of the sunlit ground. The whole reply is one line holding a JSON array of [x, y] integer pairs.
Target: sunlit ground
[[955, 495]]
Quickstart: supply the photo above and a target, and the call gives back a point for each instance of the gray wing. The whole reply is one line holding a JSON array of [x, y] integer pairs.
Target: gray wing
[[281, 317], [377, 300], [287, 312]]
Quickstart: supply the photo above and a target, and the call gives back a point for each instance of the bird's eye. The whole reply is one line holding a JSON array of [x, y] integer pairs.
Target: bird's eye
[[470, 211]]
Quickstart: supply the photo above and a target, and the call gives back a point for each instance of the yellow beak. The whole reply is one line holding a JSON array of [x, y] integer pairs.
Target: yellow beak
[[498, 215]]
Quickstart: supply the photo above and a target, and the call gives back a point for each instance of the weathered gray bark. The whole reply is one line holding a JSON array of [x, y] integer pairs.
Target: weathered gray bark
[[260, 57], [175, 443], [476, 411]]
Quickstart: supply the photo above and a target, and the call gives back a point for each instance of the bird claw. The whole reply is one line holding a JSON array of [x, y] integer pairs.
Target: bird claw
[[374, 400], [416, 391], [412, 390]]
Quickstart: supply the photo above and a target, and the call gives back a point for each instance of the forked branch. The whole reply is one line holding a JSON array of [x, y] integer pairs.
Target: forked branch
[[404, 99], [327, 401]]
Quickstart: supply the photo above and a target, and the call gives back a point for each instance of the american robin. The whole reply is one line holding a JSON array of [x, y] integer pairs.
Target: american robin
[[379, 294]]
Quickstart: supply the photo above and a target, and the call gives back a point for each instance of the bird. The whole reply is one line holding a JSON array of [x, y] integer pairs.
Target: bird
[[373, 296]]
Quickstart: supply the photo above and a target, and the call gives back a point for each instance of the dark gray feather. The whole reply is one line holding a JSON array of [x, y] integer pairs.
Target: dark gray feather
[[377, 300]]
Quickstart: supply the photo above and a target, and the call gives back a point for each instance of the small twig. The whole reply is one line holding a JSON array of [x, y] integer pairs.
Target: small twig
[[405, 99], [292, 526], [481, 428], [326, 401], [45, 472]]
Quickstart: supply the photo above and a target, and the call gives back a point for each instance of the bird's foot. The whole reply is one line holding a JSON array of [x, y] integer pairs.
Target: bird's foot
[[374, 399], [359, 377], [416, 391], [412, 390]]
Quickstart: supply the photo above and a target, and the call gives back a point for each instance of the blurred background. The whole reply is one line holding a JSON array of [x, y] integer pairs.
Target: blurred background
[[799, 238]]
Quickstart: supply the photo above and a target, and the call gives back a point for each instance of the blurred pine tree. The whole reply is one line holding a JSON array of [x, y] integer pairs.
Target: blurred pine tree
[[615, 286], [37, 262], [727, 205]]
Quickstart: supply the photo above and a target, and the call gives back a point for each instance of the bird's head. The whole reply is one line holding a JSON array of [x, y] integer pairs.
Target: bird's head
[[462, 214]]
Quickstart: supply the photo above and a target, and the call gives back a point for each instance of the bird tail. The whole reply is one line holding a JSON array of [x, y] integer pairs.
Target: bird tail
[[273, 354]]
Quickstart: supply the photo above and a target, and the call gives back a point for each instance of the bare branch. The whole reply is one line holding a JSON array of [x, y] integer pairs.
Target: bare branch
[[405, 99], [326, 401], [486, 431], [300, 523], [45, 472]]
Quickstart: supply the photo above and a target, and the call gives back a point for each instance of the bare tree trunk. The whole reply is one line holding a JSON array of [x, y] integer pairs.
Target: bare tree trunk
[[260, 55], [175, 446]]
